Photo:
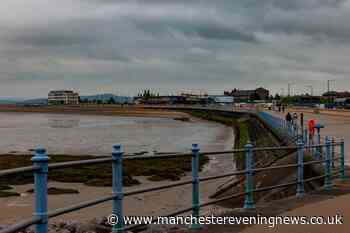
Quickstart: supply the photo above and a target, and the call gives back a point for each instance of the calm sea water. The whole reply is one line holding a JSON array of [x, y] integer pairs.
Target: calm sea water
[[95, 135]]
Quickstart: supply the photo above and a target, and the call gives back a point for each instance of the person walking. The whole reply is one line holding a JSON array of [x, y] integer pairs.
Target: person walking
[[289, 122], [311, 128], [295, 121], [289, 117]]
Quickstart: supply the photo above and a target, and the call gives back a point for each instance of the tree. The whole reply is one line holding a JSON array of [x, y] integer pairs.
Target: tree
[[277, 97], [255, 96], [111, 101]]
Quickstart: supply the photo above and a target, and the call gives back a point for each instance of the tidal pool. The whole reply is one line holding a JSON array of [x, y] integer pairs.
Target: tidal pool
[[76, 134]]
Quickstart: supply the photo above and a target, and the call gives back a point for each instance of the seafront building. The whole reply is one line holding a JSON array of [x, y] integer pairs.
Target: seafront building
[[246, 95], [66, 97]]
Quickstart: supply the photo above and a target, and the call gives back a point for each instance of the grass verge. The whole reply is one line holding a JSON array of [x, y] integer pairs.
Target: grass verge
[[98, 174]]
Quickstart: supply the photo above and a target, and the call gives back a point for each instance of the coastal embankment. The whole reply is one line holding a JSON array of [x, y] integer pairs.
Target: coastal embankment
[[248, 127]]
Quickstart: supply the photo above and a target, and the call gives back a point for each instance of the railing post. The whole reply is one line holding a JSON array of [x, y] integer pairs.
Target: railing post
[[249, 202], [328, 168], [195, 186], [41, 160], [305, 137], [318, 149], [117, 186], [333, 152], [300, 186], [342, 160]]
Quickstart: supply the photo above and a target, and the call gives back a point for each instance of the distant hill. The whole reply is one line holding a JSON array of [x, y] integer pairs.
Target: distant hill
[[39, 101], [107, 97], [5, 101], [43, 101]]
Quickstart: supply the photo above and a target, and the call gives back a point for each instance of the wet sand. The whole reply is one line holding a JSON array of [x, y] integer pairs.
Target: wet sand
[[106, 110], [155, 203], [76, 134]]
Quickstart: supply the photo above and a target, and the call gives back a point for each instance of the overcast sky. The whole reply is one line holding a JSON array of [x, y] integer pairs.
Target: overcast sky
[[123, 46]]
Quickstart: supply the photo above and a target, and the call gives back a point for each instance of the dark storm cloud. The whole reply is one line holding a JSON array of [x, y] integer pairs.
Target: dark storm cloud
[[61, 33], [204, 30], [105, 45], [310, 4]]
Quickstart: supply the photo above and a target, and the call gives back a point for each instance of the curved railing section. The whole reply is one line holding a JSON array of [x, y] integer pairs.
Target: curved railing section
[[41, 167]]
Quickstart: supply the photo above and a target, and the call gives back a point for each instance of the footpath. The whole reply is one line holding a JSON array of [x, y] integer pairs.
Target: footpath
[[318, 203]]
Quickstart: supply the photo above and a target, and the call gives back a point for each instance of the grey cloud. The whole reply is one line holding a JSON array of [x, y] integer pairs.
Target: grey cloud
[[321, 20], [217, 32], [127, 45], [202, 29], [56, 34], [310, 4]]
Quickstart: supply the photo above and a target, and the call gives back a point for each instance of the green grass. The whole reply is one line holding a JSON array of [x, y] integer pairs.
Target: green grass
[[99, 174], [240, 124], [5, 193], [8, 194]]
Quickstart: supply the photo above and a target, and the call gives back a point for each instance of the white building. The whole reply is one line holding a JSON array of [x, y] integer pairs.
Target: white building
[[223, 100], [65, 97]]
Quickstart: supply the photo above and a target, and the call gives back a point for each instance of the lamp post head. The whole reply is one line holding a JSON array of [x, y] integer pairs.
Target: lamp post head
[[319, 126]]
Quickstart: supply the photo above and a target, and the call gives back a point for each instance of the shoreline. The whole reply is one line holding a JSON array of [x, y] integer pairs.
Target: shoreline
[[21, 207], [95, 133], [104, 110]]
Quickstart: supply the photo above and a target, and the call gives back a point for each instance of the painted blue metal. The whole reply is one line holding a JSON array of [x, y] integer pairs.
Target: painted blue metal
[[300, 185], [333, 153], [195, 186], [41, 160], [249, 202], [318, 151], [342, 160], [117, 186], [306, 141], [40, 169], [284, 128], [328, 167], [318, 128]]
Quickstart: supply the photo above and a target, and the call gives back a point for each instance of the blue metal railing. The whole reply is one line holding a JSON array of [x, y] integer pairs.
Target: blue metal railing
[[288, 130], [41, 167], [292, 132]]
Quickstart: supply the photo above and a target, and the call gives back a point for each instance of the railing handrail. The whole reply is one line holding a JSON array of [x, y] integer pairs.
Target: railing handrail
[[40, 159], [62, 165]]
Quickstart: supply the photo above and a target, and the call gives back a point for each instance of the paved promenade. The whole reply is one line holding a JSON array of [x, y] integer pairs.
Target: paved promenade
[[332, 207], [319, 203], [335, 125]]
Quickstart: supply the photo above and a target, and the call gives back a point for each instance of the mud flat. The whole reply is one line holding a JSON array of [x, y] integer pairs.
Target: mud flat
[[80, 134], [155, 203]]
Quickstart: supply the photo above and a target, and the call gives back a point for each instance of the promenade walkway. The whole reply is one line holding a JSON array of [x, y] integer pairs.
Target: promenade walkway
[[318, 203], [335, 125], [331, 207]]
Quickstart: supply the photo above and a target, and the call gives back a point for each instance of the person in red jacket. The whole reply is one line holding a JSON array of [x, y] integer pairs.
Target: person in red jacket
[[311, 127]]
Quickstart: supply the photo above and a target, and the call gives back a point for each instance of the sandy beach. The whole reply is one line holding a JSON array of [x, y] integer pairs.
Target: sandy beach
[[156, 203], [109, 110]]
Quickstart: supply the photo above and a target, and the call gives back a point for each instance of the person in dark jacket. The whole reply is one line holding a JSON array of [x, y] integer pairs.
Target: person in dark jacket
[[288, 117], [289, 121]]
